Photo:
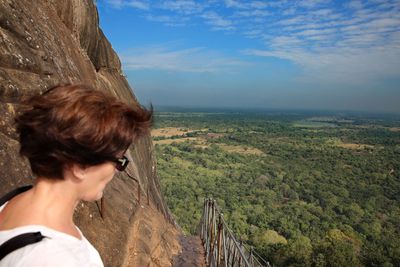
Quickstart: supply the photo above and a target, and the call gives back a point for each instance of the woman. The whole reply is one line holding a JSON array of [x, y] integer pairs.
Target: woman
[[75, 139]]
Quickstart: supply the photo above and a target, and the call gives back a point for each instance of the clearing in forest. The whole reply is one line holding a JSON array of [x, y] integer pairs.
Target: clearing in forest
[[176, 140], [241, 149], [173, 131], [354, 146], [169, 131]]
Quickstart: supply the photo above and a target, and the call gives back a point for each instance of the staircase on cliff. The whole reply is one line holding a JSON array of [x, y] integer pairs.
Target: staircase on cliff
[[154, 243]]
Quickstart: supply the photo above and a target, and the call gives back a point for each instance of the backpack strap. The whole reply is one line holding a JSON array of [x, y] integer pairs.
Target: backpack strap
[[13, 193], [19, 241]]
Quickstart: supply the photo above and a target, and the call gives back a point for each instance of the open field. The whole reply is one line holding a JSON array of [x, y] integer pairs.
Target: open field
[[201, 142], [174, 131], [313, 124], [169, 131], [176, 140], [241, 149], [354, 146]]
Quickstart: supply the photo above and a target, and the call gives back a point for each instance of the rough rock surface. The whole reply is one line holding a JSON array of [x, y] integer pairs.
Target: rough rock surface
[[48, 42], [151, 243]]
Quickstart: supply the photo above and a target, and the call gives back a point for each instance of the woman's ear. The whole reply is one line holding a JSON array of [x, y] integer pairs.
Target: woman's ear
[[78, 171]]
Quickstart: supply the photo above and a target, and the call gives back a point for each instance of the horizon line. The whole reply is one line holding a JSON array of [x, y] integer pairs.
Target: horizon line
[[274, 109]]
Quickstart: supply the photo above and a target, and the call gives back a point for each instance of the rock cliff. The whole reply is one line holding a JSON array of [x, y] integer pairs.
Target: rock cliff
[[48, 42]]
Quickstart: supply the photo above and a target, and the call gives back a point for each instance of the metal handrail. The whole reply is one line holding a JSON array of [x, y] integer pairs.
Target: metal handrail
[[221, 246]]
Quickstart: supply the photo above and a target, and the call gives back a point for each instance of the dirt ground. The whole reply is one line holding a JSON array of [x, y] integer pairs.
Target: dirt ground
[[200, 141], [169, 131], [354, 146]]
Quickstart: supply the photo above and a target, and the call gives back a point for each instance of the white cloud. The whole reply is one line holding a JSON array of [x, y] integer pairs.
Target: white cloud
[[293, 20], [341, 64], [289, 11], [322, 12], [163, 18], [252, 13], [259, 4], [183, 6], [286, 41], [320, 38], [316, 32], [384, 23], [255, 33], [138, 5], [174, 21], [235, 4], [115, 3], [246, 4], [167, 58], [355, 4], [144, 5], [355, 38], [218, 22], [312, 3]]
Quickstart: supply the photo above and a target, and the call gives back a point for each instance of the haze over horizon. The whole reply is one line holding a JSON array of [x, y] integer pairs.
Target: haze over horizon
[[305, 54]]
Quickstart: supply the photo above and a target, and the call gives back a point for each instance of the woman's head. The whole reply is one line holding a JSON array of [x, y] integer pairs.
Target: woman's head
[[76, 124]]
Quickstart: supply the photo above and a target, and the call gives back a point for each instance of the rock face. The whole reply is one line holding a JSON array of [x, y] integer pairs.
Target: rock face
[[47, 42]]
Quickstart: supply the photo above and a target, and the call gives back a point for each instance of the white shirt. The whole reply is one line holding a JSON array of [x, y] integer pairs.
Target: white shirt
[[56, 249]]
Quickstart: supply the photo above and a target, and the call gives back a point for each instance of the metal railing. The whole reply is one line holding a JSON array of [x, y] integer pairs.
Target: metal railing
[[221, 246]]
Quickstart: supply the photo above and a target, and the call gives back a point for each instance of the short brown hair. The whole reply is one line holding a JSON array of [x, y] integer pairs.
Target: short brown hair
[[76, 124]]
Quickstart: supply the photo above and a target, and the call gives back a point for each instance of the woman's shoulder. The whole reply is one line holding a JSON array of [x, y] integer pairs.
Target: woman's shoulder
[[56, 249]]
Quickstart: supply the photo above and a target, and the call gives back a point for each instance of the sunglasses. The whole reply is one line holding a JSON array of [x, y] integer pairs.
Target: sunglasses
[[122, 163]]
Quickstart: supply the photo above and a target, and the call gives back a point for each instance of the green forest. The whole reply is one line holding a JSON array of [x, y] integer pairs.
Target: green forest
[[302, 188]]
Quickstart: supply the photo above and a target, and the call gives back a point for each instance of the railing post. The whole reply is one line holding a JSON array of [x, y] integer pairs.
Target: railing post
[[240, 248], [207, 230], [224, 246], [219, 243], [205, 219], [233, 256], [212, 233], [251, 257], [229, 256]]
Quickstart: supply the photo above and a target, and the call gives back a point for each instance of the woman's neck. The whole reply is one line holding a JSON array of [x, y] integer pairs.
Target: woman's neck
[[50, 203]]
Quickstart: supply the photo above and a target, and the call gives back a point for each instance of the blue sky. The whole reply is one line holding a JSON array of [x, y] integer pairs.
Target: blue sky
[[298, 54]]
